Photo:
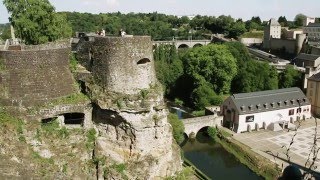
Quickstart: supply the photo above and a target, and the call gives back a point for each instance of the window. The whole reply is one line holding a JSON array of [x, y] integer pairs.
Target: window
[[249, 118], [299, 110], [291, 112]]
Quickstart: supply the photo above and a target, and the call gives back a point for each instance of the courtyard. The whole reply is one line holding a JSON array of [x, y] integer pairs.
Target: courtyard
[[286, 146]]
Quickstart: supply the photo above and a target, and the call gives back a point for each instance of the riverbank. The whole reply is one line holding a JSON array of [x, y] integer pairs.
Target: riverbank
[[258, 164]]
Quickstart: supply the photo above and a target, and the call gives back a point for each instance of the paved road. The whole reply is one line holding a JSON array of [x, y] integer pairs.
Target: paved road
[[265, 141]]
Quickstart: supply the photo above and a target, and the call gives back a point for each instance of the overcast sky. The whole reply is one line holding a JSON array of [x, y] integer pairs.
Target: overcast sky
[[244, 9]]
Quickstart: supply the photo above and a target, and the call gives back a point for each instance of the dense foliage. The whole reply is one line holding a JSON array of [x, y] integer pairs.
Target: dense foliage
[[36, 22], [5, 31], [205, 75], [161, 26]]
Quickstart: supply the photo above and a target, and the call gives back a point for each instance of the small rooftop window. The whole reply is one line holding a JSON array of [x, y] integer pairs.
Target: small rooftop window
[[272, 104], [258, 106], [250, 107], [242, 108], [285, 102], [279, 103], [265, 105], [292, 101]]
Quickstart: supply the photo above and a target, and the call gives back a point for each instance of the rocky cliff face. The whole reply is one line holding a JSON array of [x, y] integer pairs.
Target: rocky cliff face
[[132, 122]]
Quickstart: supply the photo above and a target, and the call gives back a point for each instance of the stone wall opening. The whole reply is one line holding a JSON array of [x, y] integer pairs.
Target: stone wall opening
[[143, 61], [83, 87], [48, 120], [73, 119]]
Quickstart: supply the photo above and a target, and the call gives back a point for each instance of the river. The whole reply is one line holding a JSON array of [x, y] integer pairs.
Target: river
[[213, 160]]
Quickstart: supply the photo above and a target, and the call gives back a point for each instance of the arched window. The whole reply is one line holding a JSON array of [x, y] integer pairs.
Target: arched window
[[143, 61]]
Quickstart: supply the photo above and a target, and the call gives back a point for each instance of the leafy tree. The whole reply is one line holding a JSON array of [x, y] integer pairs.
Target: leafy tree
[[256, 19], [204, 96], [290, 78], [35, 21], [212, 63], [298, 20], [255, 76], [237, 29], [5, 32], [283, 21], [177, 127]]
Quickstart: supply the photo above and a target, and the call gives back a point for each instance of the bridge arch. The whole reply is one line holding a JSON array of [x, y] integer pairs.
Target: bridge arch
[[194, 125], [183, 46], [197, 45]]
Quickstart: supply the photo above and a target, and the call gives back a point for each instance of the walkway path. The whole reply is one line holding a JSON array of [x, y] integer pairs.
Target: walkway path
[[268, 143]]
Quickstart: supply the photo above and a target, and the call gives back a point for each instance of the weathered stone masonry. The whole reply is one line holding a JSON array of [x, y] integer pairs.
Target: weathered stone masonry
[[128, 108], [32, 77]]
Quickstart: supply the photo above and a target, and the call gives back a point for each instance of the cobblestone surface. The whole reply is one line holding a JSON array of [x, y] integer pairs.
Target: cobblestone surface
[[273, 145]]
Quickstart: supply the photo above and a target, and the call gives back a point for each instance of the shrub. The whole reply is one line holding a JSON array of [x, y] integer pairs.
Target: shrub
[[177, 126]]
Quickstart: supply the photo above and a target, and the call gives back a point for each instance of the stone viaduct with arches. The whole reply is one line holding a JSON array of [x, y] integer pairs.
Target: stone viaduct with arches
[[184, 43]]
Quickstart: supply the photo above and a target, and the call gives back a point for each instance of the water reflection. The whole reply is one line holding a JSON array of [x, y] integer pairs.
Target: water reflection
[[214, 160]]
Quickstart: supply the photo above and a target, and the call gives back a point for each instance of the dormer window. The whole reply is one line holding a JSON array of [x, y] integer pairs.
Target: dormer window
[[258, 106], [292, 101], [250, 107], [304, 99], [285, 102], [272, 104], [279, 103], [265, 105], [242, 108]]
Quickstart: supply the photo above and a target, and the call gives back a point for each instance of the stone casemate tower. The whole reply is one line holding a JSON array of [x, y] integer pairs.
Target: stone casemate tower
[[129, 110], [123, 65]]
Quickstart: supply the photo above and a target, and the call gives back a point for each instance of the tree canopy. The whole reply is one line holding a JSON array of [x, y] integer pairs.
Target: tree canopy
[[211, 63], [36, 22], [299, 19]]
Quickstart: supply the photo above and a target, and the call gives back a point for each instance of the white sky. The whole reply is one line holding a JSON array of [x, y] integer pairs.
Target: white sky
[[244, 9]]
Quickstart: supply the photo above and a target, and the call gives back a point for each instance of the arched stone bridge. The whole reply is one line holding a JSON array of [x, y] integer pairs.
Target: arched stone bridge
[[184, 43], [193, 125]]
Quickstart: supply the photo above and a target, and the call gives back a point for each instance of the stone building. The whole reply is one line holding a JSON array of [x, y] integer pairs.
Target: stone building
[[313, 93], [272, 39], [265, 109], [272, 30], [310, 62], [313, 33]]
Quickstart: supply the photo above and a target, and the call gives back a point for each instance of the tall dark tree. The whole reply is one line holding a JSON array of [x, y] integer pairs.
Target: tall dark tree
[[256, 19], [35, 21], [283, 21]]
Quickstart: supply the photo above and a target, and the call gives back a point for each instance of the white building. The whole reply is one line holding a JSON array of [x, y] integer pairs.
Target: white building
[[265, 109], [309, 20]]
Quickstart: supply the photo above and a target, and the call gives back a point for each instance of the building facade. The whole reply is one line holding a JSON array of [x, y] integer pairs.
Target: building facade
[[313, 32], [247, 111], [310, 62], [313, 93]]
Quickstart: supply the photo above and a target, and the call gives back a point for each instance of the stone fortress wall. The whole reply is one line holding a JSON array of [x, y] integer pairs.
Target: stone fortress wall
[[132, 125], [35, 75], [119, 64]]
